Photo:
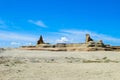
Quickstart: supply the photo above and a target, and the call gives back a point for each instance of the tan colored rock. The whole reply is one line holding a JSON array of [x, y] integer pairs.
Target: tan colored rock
[[88, 38], [91, 44], [100, 44]]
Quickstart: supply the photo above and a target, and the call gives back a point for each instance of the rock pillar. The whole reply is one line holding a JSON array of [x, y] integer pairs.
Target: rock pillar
[[40, 41], [88, 38]]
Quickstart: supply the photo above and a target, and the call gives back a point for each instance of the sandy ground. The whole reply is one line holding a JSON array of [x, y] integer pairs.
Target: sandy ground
[[45, 65]]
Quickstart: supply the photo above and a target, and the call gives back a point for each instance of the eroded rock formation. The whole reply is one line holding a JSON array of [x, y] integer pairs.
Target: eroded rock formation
[[100, 44], [89, 45], [40, 41], [88, 38]]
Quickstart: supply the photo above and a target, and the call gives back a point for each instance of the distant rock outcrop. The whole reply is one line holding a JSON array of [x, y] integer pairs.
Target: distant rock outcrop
[[88, 38], [100, 44], [42, 44], [40, 41], [88, 45]]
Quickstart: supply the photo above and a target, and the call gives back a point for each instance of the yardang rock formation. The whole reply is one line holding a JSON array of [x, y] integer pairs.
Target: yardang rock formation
[[88, 38], [40, 41], [88, 45]]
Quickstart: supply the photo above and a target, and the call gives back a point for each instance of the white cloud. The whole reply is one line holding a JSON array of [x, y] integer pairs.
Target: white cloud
[[15, 43], [20, 43], [38, 23], [11, 36], [71, 36], [28, 43], [12, 39], [62, 40]]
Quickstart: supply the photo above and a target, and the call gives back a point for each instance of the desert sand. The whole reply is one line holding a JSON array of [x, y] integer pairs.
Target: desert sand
[[18, 64]]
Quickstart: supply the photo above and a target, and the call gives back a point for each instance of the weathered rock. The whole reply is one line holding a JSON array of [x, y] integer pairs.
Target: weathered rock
[[91, 44], [100, 44], [40, 41], [88, 38], [95, 44]]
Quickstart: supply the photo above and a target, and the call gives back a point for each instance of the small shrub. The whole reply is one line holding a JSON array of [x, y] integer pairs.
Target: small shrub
[[104, 58]]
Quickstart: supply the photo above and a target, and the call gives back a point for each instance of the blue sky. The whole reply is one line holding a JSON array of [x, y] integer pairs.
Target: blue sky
[[23, 21]]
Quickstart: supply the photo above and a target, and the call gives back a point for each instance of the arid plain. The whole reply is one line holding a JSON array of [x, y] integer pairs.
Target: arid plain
[[16, 64]]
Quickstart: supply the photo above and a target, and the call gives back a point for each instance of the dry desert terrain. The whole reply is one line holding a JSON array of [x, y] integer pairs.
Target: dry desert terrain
[[16, 64]]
